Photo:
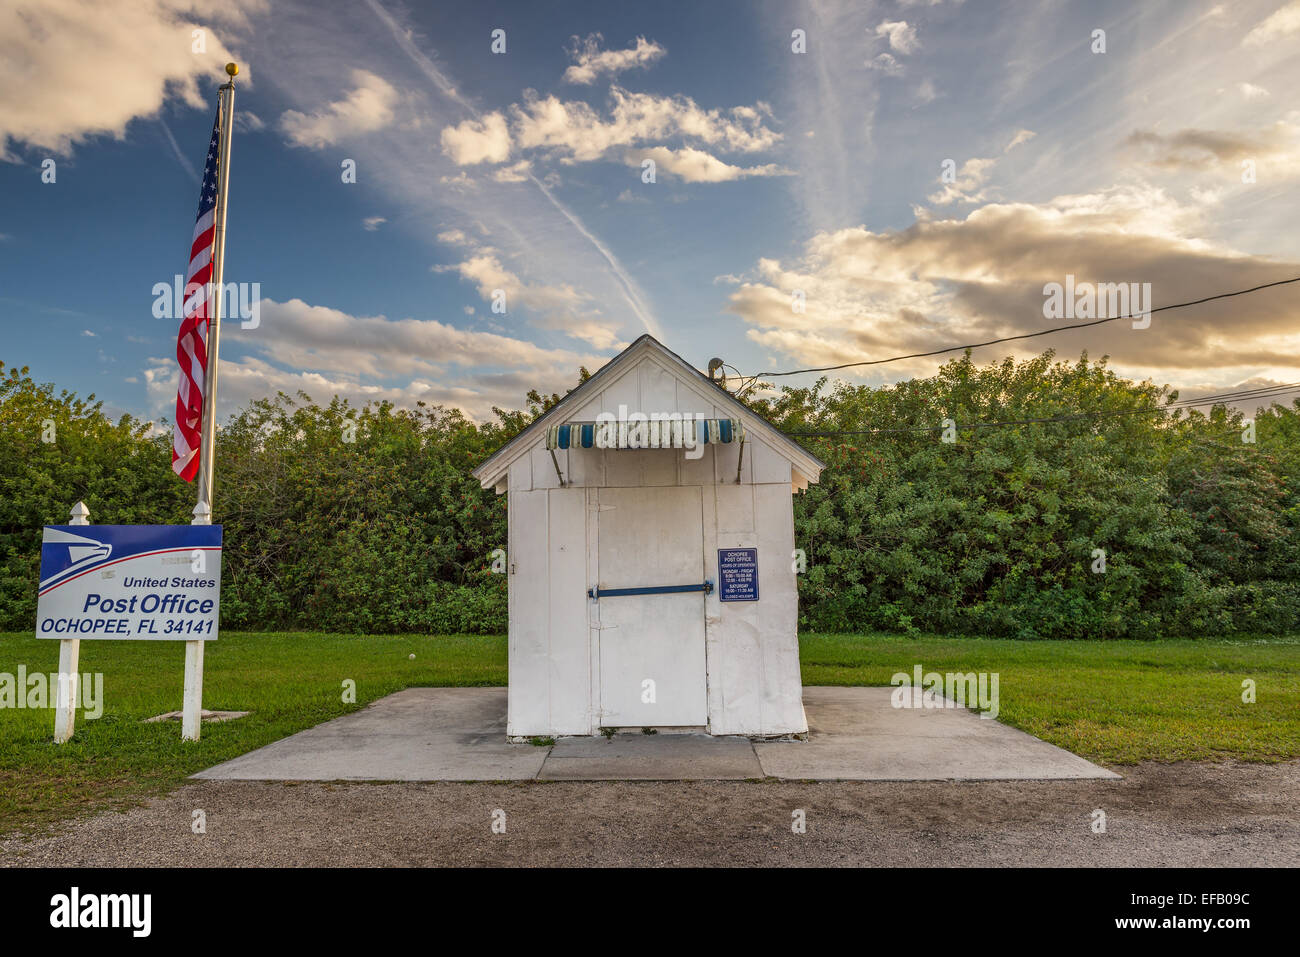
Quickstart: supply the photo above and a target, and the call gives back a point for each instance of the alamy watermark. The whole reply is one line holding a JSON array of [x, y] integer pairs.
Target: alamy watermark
[[1102, 300], [929, 689], [650, 430], [39, 690], [126, 911], [239, 300]]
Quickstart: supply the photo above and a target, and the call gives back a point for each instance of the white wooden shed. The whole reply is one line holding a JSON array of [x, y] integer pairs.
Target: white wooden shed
[[651, 558]]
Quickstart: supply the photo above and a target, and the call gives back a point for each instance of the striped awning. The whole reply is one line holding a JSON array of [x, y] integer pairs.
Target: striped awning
[[651, 434]]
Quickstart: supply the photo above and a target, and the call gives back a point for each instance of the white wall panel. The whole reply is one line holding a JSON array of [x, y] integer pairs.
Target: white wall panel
[[735, 509], [769, 466], [529, 642], [586, 467], [778, 623], [543, 468], [623, 467], [570, 680], [521, 473], [696, 471], [725, 459], [625, 390], [658, 388]]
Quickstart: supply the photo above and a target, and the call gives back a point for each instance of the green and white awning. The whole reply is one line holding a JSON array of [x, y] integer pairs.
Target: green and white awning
[[645, 434]]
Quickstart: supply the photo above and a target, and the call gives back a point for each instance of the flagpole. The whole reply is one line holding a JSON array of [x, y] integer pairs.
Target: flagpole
[[207, 443], [192, 707]]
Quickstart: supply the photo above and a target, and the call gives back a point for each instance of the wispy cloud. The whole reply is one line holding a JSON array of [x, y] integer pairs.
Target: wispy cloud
[[510, 211], [591, 62], [368, 107], [1281, 23], [966, 185], [181, 158], [697, 166]]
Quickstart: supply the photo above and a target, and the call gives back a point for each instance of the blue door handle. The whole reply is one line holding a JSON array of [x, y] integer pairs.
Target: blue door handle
[[599, 592]]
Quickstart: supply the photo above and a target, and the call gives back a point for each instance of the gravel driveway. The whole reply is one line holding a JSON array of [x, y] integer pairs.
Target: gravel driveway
[[1185, 814]]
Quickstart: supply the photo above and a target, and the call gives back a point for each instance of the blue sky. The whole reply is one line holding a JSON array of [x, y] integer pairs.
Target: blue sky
[[819, 172]]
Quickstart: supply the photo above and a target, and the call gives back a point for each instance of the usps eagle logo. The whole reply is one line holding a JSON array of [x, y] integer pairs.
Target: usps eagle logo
[[65, 555]]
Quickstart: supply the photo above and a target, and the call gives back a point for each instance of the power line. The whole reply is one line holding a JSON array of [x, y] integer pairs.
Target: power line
[[1221, 398], [1027, 335]]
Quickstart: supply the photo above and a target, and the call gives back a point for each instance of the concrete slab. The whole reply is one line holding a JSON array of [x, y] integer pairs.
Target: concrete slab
[[212, 717], [420, 734], [855, 734], [459, 734], [652, 757]]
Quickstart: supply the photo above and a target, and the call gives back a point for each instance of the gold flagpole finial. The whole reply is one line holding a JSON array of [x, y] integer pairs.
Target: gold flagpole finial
[[232, 70]]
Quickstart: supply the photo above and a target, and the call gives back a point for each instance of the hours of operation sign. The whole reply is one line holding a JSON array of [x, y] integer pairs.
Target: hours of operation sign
[[738, 574], [130, 581]]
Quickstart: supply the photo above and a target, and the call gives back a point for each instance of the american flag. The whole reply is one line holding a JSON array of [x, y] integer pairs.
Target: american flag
[[191, 343]]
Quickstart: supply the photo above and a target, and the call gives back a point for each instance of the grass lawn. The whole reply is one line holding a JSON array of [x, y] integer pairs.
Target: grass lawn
[[1113, 702]]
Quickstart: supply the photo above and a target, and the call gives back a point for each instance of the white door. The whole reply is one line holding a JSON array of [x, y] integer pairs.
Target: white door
[[652, 669]]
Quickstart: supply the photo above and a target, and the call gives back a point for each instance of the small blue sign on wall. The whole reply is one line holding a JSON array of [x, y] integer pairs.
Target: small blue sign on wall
[[738, 574]]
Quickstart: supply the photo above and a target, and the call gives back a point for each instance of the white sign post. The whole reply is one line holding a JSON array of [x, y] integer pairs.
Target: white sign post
[[65, 713], [129, 582], [192, 709]]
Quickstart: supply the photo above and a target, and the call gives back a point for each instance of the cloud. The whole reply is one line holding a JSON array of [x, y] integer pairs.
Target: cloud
[[475, 141], [577, 133], [372, 223], [246, 121], [870, 295], [1021, 137], [70, 71], [532, 224], [518, 173], [1252, 92], [696, 166], [591, 62], [886, 64], [1282, 22], [325, 351], [454, 237], [1275, 148], [369, 107], [560, 307], [966, 187], [179, 154], [901, 36]]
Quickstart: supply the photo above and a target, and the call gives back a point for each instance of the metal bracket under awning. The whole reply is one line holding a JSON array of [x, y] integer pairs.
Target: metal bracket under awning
[[597, 592]]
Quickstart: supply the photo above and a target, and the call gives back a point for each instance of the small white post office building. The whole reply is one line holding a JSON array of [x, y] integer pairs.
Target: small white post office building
[[651, 558]]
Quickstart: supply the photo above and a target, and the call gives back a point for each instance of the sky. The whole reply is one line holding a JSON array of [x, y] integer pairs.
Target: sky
[[832, 182]]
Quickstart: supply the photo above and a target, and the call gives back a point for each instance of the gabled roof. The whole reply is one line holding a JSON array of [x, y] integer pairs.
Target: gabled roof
[[496, 465]]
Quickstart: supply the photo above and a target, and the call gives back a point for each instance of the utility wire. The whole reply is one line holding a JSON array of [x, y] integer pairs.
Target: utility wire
[[1027, 335]]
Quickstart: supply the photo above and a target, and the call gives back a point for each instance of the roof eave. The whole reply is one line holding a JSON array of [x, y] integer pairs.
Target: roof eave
[[490, 472]]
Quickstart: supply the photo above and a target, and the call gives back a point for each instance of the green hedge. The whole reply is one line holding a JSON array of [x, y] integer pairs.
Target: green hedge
[[367, 520]]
